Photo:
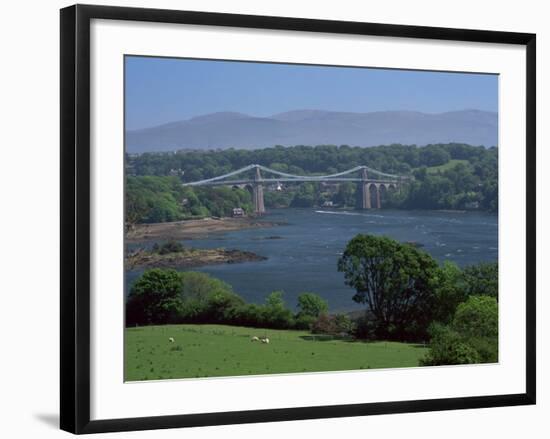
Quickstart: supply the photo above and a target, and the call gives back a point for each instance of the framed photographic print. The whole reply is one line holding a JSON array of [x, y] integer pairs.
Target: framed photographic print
[[274, 218]]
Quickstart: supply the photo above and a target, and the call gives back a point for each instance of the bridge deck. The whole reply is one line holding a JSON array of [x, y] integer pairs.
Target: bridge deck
[[289, 180]]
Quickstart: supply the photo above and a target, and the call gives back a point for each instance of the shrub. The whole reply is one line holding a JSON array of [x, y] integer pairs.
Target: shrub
[[450, 291], [324, 325], [215, 307], [219, 306], [312, 305], [249, 314], [448, 347], [275, 313], [472, 336], [200, 286], [304, 321], [168, 247], [338, 324], [343, 324], [477, 317]]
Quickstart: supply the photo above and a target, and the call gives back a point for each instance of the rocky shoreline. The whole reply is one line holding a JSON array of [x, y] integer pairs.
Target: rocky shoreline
[[192, 229], [189, 257]]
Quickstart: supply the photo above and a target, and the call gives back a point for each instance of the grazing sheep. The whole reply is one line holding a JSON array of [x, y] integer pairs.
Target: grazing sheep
[[254, 339], [265, 340], [171, 340]]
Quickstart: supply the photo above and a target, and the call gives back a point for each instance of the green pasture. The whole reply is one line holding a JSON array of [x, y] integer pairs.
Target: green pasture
[[219, 350], [445, 167]]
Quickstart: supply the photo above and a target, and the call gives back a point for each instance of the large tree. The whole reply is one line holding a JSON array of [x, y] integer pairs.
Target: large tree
[[155, 298], [396, 281]]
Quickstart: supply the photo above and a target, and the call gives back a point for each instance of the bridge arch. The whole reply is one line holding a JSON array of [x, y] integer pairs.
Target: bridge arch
[[374, 190], [383, 190]]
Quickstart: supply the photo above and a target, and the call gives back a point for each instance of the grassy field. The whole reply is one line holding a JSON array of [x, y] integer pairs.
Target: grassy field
[[441, 168], [218, 350]]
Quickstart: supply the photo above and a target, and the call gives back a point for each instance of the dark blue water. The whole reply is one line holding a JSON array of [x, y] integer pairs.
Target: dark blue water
[[305, 257]]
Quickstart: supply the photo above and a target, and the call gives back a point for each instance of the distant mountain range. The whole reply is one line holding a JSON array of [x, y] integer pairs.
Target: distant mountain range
[[316, 127]]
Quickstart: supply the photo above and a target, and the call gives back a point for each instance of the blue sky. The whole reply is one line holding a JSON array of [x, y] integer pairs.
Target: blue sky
[[161, 90]]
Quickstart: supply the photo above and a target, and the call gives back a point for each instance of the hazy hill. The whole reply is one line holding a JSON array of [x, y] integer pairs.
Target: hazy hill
[[315, 127]]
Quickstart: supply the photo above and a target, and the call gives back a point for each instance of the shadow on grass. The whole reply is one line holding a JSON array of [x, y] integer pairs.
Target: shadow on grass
[[325, 337], [348, 339]]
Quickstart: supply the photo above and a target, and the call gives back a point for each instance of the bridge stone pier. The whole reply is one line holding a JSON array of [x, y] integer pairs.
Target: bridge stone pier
[[365, 190], [258, 193]]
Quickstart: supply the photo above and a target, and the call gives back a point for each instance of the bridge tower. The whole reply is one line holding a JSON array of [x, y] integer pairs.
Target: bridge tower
[[365, 190], [258, 193]]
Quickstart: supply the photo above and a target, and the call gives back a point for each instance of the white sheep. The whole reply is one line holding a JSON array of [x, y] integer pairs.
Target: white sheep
[[265, 340], [171, 340], [254, 339]]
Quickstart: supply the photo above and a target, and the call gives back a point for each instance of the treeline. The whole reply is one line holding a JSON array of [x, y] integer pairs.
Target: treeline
[[408, 297], [447, 176], [166, 296], [301, 159], [152, 199], [457, 187]]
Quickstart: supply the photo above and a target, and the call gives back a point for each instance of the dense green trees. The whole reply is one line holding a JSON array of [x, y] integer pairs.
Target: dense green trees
[[220, 201], [346, 195], [450, 291], [482, 279], [161, 296], [155, 298], [399, 159], [450, 176], [477, 317], [433, 155], [151, 199], [455, 285], [406, 291], [456, 187], [305, 196], [471, 337], [396, 281]]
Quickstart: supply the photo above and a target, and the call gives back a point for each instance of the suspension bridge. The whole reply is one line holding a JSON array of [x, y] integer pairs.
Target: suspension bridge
[[251, 176]]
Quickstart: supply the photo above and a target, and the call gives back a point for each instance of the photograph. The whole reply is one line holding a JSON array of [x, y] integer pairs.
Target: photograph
[[275, 219], [292, 218]]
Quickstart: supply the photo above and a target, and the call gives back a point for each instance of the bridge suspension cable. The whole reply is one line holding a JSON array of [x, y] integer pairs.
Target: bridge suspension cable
[[220, 177], [284, 174], [289, 177]]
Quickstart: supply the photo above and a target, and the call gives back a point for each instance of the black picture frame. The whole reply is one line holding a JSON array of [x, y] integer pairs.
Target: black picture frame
[[75, 217]]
